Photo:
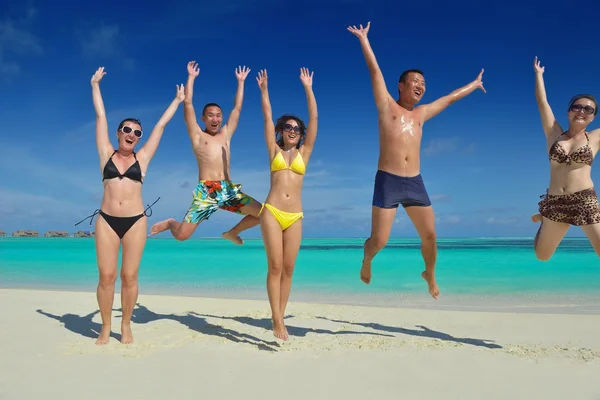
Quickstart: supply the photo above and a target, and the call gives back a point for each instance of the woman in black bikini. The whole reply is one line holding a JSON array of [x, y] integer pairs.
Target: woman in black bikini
[[122, 215], [570, 198]]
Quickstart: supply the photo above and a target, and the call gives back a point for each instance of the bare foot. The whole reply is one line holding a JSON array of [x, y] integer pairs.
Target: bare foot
[[365, 272], [104, 336], [434, 290], [161, 226], [536, 218], [234, 238], [279, 330], [126, 334]]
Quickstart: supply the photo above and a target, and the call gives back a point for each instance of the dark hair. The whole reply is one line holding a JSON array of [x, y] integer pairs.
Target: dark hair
[[404, 75], [279, 127], [134, 120], [211, 105], [584, 96]]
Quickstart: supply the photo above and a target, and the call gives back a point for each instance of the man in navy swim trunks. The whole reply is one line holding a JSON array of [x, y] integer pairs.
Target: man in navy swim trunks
[[398, 180]]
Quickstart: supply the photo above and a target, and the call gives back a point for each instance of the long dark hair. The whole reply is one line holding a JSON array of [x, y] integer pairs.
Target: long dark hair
[[279, 128]]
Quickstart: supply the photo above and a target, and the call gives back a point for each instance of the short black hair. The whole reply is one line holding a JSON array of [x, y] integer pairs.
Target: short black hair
[[134, 120], [404, 75], [211, 105], [281, 121], [584, 96]]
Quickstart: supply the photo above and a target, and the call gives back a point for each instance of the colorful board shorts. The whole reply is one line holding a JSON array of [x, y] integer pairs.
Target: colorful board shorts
[[212, 195]]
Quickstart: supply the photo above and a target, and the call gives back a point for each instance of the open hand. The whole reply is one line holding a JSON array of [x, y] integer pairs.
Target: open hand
[[180, 96], [306, 76], [241, 73], [360, 32], [262, 79], [98, 76], [537, 67], [193, 68], [479, 81]]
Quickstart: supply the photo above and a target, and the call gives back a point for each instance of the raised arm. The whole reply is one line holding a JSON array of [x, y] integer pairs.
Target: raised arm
[[433, 109], [549, 123], [267, 113], [382, 96], [102, 141], [188, 108], [240, 73], [313, 117], [147, 152]]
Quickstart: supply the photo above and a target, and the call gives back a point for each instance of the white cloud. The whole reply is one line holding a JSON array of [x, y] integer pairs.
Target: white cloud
[[17, 39], [104, 42], [502, 221]]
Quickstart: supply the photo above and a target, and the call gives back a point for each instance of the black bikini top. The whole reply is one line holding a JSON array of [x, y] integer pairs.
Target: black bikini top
[[134, 172]]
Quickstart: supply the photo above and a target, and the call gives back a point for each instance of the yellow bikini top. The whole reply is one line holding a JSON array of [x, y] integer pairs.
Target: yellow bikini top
[[297, 165]]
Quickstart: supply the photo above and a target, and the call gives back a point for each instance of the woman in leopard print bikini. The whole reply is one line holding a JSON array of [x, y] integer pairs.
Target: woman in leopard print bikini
[[570, 199]]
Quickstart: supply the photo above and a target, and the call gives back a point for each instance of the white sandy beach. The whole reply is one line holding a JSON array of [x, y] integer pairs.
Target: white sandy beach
[[207, 348]]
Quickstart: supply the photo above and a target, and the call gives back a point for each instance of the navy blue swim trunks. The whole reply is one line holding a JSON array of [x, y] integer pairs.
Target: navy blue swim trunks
[[392, 190]]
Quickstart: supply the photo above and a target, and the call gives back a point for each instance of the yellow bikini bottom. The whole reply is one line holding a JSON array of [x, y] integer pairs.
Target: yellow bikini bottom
[[285, 219]]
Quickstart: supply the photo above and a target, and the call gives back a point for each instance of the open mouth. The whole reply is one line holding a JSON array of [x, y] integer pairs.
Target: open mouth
[[214, 125], [418, 92], [129, 140]]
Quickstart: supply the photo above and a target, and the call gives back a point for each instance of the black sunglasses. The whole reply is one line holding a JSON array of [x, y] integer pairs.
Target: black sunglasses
[[586, 109], [289, 128], [128, 129]]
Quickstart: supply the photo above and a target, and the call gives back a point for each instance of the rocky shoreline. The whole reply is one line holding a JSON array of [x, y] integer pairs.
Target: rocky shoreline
[[49, 234]]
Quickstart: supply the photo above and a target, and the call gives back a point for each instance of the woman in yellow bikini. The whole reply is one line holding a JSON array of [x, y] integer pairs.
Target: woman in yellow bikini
[[290, 144]]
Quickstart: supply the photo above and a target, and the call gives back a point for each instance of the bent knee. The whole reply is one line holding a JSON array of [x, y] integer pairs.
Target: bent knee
[[377, 243], [181, 236], [542, 255]]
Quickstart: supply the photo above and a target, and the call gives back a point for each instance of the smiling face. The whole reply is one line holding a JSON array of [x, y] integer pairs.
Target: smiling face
[[582, 111], [129, 134], [291, 131], [411, 87], [212, 116]]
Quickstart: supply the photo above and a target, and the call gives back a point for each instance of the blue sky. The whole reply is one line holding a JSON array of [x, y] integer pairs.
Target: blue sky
[[483, 159]]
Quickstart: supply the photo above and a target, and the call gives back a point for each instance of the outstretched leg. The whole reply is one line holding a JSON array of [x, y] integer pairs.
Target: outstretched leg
[[107, 256], [292, 237], [593, 234], [134, 242], [548, 237], [252, 210], [423, 219], [273, 242], [382, 220]]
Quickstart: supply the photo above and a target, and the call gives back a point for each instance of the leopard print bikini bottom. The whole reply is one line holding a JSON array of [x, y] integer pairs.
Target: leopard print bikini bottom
[[579, 208]]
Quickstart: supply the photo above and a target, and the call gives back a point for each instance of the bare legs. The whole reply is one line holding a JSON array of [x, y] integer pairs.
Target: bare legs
[[423, 220], [133, 248], [107, 256], [107, 253], [551, 233], [548, 237], [282, 249], [249, 221], [184, 230]]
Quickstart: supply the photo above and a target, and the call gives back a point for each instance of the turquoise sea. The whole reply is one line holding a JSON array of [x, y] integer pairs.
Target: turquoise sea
[[325, 269]]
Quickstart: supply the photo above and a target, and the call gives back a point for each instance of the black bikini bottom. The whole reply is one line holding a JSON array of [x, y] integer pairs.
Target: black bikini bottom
[[121, 225]]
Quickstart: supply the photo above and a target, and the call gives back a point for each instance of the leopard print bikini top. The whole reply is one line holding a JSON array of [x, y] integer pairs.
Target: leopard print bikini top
[[583, 155]]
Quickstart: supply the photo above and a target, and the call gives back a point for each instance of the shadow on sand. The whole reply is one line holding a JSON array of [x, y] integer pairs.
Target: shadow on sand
[[82, 325], [423, 332], [292, 330], [142, 315]]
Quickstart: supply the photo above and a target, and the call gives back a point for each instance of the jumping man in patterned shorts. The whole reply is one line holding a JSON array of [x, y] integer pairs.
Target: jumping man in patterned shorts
[[211, 147]]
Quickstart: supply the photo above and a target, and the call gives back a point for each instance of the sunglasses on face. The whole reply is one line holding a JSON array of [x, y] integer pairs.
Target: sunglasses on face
[[128, 129], [289, 128], [586, 109]]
